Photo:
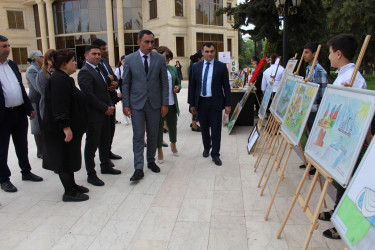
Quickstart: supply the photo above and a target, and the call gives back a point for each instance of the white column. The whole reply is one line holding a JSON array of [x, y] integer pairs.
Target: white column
[[42, 24], [120, 28], [51, 24], [110, 44]]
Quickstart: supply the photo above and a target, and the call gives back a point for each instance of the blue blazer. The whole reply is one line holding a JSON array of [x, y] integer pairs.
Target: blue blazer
[[27, 104], [220, 87]]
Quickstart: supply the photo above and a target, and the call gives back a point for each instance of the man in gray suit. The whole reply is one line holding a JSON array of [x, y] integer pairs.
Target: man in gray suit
[[145, 96]]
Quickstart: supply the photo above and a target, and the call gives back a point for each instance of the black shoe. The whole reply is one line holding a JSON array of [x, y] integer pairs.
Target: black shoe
[[198, 129], [312, 171], [31, 177], [94, 180], [303, 166], [165, 145], [114, 156], [191, 125], [40, 156], [206, 153], [217, 161], [145, 145], [82, 189], [110, 171], [8, 187], [154, 168], [138, 174], [165, 130], [75, 197]]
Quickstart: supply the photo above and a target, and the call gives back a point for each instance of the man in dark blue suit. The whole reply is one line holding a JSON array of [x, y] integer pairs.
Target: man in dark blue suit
[[211, 94], [15, 106]]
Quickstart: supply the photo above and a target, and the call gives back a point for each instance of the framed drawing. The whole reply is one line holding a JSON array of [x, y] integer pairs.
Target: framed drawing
[[234, 117], [299, 109], [285, 97], [288, 71], [253, 137], [339, 130], [354, 217], [265, 100]]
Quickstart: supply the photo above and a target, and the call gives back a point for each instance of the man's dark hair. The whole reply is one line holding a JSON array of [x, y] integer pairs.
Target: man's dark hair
[[311, 46], [208, 44], [144, 32], [346, 43], [194, 58], [273, 58], [98, 42], [90, 47], [59, 57], [3, 38]]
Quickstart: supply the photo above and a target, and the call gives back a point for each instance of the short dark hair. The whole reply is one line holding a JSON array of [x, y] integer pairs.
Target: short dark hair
[[61, 56], [194, 58], [143, 32], [346, 43], [169, 53], [208, 44], [90, 47], [98, 42], [273, 58], [256, 58], [313, 46], [3, 38]]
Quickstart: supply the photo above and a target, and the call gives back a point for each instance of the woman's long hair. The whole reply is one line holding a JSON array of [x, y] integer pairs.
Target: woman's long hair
[[45, 62]]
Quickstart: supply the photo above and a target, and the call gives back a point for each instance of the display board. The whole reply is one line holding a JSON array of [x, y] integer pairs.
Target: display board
[[265, 100], [234, 117], [254, 135], [354, 217], [339, 130], [285, 97], [298, 110]]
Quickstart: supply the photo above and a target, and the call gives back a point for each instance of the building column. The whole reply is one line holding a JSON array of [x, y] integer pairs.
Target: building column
[[120, 28], [110, 44], [51, 24], [42, 23]]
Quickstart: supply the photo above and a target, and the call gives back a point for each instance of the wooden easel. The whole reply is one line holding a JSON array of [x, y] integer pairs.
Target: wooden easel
[[262, 131], [313, 217]]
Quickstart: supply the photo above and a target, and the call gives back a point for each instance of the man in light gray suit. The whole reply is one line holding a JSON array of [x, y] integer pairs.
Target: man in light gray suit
[[144, 97]]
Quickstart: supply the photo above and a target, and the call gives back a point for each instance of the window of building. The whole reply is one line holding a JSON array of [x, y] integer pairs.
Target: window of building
[[131, 43], [153, 9], [20, 55], [15, 19], [180, 46], [205, 12], [229, 46], [178, 8], [216, 39], [132, 12], [156, 43], [229, 17]]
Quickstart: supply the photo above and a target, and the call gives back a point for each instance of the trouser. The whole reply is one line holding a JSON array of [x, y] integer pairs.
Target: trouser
[[112, 119], [97, 136], [150, 117], [171, 119], [15, 123]]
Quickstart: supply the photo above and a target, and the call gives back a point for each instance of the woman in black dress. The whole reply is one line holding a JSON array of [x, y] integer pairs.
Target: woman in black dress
[[179, 68], [64, 123]]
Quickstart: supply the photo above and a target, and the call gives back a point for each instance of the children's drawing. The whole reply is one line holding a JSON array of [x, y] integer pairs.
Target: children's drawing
[[265, 100], [285, 97], [339, 130], [299, 109]]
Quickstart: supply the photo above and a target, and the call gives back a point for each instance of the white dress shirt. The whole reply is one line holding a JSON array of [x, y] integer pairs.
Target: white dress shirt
[[10, 85], [345, 74], [101, 73], [143, 59], [209, 77], [267, 77]]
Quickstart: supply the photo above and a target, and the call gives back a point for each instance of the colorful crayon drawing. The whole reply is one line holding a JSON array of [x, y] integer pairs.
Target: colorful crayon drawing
[[285, 97], [299, 109], [287, 72], [354, 217], [339, 130], [265, 101]]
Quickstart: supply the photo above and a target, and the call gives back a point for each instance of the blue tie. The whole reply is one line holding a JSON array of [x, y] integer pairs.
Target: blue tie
[[204, 91]]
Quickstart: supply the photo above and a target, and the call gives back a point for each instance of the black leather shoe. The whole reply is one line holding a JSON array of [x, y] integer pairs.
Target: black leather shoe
[[138, 174], [198, 129], [94, 180], [8, 187], [114, 156], [303, 166], [110, 171], [165, 130], [312, 171], [75, 197], [31, 177], [154, 168], [165, 145], [40, 156], [82, 189], [206, 153], [217, 161]]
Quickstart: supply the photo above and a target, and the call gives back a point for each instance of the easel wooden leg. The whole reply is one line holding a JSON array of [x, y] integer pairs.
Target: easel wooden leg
[[321, 188], [281, 177], [263, 149]]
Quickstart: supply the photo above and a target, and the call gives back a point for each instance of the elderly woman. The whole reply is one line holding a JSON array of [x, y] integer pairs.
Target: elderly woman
[[64, 123], [173, 110], [36, 60]]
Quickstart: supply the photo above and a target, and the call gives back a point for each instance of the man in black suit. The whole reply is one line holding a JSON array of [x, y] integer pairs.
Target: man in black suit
[[211, 94], [15, 106], [100, 107], [112, 82]]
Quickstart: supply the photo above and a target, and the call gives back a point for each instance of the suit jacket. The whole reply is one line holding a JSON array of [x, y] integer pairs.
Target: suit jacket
[[108, 70], [31, 74], [27, 104], [175, 82], [96, 92], [138, 87], [220, 87]]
